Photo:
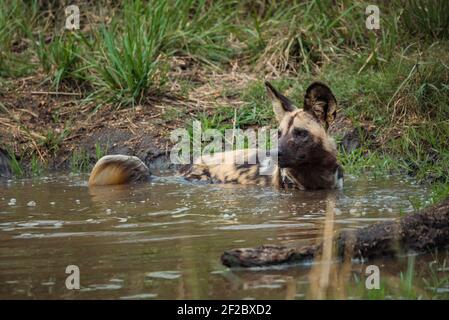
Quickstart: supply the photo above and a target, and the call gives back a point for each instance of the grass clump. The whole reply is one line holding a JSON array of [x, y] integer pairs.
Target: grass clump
[[61, 59], [53, 139], [16, 20], [133, 53], [427, 18], [127, 64], [100, 151], [79, 161], [37, 168], [303, 36], [14, 163]]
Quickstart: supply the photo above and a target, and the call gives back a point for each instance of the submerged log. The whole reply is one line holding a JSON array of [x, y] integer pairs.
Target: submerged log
[[424, 231]]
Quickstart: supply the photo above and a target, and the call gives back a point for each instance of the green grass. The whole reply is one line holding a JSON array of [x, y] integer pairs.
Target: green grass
[[427, 19], [406, 284], [80, 161], [61, 59], [37, 167], [100, 151], [412, 284], [132, 54], [128, 63], [361, 161], [358, 289], [440, 191], [53, 140], [438, 277], [16, 20], [15, 164]]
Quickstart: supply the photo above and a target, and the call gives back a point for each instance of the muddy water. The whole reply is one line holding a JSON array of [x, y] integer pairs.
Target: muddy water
[[163, 239]]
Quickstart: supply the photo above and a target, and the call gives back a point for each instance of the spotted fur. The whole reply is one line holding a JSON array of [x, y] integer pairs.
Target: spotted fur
[[306, 155], [217, 169]]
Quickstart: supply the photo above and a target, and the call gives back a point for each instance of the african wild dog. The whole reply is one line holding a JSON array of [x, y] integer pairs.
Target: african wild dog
[[307, 155]]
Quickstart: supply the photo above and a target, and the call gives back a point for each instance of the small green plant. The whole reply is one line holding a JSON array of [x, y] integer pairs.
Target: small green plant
[[440, 191], [61, 58], [416, 203], [427, 18], [358, 289], [100, 151], [53, 140], [128, 63], [16, 168], [80, 161], [16, 20], [406, 280], [36, 166], [133, 51], [377, 294], [438, 278], [361, 161], [257, 110]]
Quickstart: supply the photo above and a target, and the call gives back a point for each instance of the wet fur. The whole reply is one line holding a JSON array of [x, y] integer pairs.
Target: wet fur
[[212, 169], [118, 169], [304, 162]]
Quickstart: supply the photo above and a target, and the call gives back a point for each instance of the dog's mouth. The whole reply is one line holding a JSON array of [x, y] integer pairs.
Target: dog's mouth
[[288, 163], [282, 163]]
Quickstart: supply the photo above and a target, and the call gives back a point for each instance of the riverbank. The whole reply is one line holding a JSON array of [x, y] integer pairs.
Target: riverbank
[[133, 73]]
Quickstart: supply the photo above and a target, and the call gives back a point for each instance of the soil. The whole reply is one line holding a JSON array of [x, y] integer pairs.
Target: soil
[[52, 126]]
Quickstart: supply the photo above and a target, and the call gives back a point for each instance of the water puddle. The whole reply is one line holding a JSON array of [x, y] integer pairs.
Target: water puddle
[[164, 239]]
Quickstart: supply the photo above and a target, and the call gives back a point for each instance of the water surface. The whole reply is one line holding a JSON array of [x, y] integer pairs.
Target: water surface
[[163, 240]]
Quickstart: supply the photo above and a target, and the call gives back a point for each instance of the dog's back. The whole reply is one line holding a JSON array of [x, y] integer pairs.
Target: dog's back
[[223, 168]]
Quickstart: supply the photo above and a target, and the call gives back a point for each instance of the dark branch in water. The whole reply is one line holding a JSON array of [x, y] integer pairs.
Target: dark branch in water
[[267, 255], [420, 232]]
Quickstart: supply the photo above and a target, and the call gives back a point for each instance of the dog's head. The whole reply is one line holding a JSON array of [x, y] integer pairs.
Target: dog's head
[[303, 137]]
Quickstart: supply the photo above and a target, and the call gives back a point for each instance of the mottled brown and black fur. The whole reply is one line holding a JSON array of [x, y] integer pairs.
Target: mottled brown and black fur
[[306, 154]]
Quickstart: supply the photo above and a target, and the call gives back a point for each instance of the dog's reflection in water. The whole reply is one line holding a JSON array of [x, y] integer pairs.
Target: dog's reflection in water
[[102, 195]]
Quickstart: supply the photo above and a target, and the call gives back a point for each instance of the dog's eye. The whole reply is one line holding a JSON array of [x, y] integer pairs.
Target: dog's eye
[[301, 133], [279, 133]]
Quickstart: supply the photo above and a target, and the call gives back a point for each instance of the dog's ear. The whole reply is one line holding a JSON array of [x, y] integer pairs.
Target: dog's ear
[[281, 104], [321, 103]]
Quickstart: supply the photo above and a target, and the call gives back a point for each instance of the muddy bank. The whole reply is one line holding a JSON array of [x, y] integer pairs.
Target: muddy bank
[[149, 142], [60, 130], [152, 147], [56, 129]]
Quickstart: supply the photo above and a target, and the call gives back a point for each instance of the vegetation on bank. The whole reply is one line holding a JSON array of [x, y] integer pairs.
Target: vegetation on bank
[[392, 83]]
